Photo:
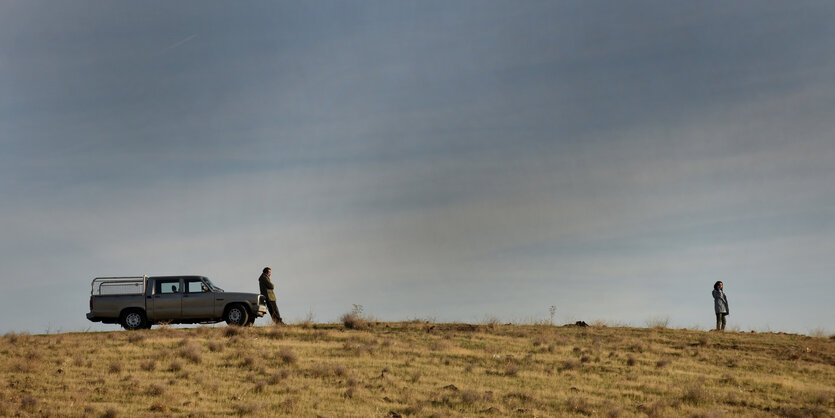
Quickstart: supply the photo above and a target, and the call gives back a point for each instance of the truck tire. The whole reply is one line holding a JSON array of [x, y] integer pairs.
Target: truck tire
[[133, 319], [236, 314]]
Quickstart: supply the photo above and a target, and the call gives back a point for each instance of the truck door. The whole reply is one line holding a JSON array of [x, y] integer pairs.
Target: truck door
[[198, 299], [167, 299]]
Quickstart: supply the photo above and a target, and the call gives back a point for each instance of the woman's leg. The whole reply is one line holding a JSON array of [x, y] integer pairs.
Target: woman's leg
[[718, 321], [723, 320]]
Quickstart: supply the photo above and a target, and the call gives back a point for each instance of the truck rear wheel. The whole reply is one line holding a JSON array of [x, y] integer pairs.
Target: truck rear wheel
[[133, 319], [236, 315]]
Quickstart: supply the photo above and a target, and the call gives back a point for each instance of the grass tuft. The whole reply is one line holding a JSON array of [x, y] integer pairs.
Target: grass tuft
[[288, 356]]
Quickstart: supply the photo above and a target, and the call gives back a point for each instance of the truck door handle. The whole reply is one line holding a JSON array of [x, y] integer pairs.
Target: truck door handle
[[219, 300]]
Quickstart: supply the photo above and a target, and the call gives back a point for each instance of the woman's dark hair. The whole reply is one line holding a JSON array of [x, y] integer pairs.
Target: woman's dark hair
[[266, 269], [715, 285]]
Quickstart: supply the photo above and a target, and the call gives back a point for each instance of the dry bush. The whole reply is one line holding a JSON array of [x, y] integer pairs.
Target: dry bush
[[630, 360], [232, 331], [308, 321], [25, 366], [694, 394], [259, 387], [569, 365], [579, 405], [658, 322], [28, 403], [245, 408], [115, 367], [16, 337], [802, 412], [155, 389], [110, 413], [469, 396], [190, 351], [491, 322], [248, 362], [175, 366], [415, 376], [158, 407], [275, 333], [327, 370], [662, 363], [278, 376], [288, 356], [136, 337], [216, 346], [148, 365], [511, 369]]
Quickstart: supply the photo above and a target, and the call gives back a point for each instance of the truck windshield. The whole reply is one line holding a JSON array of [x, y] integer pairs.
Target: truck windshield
[[212, 285]]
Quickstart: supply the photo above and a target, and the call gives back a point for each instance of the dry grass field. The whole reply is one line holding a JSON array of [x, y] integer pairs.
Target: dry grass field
[[368, 369]]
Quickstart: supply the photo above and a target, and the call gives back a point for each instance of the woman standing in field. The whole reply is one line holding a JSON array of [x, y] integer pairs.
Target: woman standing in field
[[720, 305]]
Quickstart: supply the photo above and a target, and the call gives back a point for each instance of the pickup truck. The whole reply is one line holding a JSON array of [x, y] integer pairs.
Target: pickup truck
[[137, 302]]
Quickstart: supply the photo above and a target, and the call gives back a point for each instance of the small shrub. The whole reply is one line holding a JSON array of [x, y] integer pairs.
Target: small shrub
[[259, 387], [356, 319], [469, 396], [278, 376], [275, 333], [662, 363], [511, 369], [191, 352], [110, 413], [155, 389], [569, 365], [415, 376], [630, 361], [287, 356], [135, 337], [694, 394], [115, 367], [579, 405], [29, 403], [247, 408], [248, 362], [149, 365], [232, 331], [175, 366], [159, 407], [215, 346], [658, 322], [308, 320]]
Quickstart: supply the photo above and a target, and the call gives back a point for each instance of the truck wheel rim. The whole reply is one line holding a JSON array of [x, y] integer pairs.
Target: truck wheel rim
[[133, 320], [235, 316]]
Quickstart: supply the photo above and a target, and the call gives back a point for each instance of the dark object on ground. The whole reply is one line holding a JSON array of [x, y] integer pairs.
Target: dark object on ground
[[581, 324]]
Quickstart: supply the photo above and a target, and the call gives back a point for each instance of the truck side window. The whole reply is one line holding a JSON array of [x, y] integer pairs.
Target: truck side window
[[196, 286], [167, 287]]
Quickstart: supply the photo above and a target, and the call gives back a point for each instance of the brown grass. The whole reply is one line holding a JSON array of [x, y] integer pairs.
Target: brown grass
[[420, 369]]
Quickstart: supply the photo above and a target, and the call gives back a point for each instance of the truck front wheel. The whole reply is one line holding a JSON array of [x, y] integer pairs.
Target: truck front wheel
[[236, 315], [134, 319]]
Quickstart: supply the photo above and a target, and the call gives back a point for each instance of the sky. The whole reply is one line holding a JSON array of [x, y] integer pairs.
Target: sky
[[447, 161]]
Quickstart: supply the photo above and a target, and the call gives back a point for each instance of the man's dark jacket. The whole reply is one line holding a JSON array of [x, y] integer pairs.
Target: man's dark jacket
[[266, 287]]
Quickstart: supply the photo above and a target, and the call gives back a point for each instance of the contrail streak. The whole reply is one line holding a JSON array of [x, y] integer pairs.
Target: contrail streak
[[170, 47]]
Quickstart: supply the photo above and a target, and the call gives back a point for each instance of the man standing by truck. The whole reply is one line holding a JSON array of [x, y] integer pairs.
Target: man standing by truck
[[267, 287]]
